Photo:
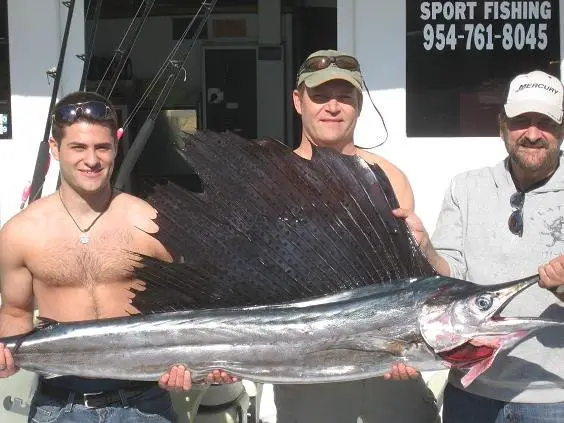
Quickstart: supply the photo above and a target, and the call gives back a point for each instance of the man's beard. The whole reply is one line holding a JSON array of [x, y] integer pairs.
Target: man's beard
[[533, 162]]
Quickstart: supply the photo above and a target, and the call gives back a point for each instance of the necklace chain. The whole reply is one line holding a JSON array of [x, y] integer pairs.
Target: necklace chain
[[84, 238]]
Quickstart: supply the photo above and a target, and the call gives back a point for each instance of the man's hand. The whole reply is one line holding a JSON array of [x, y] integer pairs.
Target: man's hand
[[7, 366], [220, 377], [552, 274], [423, 240], [402, 372], [178, 378], [416, 226]]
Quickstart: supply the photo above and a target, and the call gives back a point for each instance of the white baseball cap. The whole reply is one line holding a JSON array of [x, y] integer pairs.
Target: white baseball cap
[[537, 92]]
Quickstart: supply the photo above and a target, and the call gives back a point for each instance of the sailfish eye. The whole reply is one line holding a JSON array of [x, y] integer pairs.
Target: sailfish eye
[[484, 302]]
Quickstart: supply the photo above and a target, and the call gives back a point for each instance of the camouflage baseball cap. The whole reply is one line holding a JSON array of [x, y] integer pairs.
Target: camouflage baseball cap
[[325, 65]]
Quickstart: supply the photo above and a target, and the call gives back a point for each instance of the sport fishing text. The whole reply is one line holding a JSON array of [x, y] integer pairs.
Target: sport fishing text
[[445, 29]]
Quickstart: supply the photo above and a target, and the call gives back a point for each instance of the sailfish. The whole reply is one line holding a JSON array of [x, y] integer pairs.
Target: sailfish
[[284, 270]]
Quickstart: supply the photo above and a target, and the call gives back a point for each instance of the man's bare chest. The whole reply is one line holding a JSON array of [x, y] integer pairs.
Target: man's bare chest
[[66, 261]]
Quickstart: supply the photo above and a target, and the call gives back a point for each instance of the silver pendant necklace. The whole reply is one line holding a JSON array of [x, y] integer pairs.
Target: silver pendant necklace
[[84, 238]]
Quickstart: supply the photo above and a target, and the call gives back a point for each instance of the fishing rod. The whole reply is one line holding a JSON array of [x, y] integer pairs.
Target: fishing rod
[[43, 157], [122, 52], [91, 39], [176, 66], [169, 60]]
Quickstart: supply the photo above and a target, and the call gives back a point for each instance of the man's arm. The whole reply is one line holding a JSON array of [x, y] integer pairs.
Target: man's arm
[[398, 180], [552, 276], [445, 250], [402, 187], [16, 282], [16, 290], [404, 194], [423, 240]]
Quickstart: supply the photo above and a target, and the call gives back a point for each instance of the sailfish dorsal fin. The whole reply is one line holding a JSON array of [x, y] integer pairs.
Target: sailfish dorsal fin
[[269, 226]]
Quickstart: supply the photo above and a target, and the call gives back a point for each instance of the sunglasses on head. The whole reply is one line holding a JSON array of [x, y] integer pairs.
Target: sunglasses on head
[[515, 221], [95, 110], [321, 62]]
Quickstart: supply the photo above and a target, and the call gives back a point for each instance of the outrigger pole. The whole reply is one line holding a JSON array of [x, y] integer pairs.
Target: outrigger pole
[[122, 53], [91, 39], [176, 67], [42, 162]]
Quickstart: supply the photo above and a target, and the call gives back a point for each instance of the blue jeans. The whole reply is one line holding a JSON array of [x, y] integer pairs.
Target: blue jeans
[[463, 407], [152, 406]]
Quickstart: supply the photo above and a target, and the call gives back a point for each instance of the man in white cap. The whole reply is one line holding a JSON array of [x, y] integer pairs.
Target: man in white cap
[[502, 223], [328, 97]]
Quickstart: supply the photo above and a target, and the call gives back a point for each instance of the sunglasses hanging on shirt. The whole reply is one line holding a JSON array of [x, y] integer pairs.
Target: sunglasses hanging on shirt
[[515, 222]]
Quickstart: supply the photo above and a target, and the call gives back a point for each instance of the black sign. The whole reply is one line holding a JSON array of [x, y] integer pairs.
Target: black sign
[[487, 25], [462, 54]]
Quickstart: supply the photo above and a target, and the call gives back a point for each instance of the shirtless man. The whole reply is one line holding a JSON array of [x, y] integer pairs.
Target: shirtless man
[[328, 97], [63, 255]]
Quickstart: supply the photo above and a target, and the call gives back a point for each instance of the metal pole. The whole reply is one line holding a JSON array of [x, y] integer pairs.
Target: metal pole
[[91, 40], [141, 139], [42, 162]]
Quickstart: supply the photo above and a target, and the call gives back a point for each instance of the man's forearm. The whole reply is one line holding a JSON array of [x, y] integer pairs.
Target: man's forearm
[[439, 263], [11, 324]]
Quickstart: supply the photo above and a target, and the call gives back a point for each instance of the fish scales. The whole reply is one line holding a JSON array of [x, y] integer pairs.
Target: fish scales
[[285, 339]]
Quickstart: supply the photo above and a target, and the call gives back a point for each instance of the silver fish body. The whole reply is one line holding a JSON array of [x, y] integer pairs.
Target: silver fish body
[[352, 335]]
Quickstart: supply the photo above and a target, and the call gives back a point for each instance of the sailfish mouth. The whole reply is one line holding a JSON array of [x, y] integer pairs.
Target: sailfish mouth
[[476, 355], [468, 354]]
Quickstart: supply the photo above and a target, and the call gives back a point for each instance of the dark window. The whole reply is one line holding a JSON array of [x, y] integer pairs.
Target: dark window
[[5, 109], [180, 25], [461, 56]]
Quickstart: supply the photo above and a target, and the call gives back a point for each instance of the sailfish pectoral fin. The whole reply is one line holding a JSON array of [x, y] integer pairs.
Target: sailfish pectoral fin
[[363, 342]]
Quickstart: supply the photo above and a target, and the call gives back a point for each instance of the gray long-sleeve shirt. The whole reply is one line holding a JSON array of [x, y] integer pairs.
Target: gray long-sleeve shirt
[[472, 235]]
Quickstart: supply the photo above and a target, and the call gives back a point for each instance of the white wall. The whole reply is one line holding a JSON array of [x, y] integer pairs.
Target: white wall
[[35, 32], [374, 31]]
